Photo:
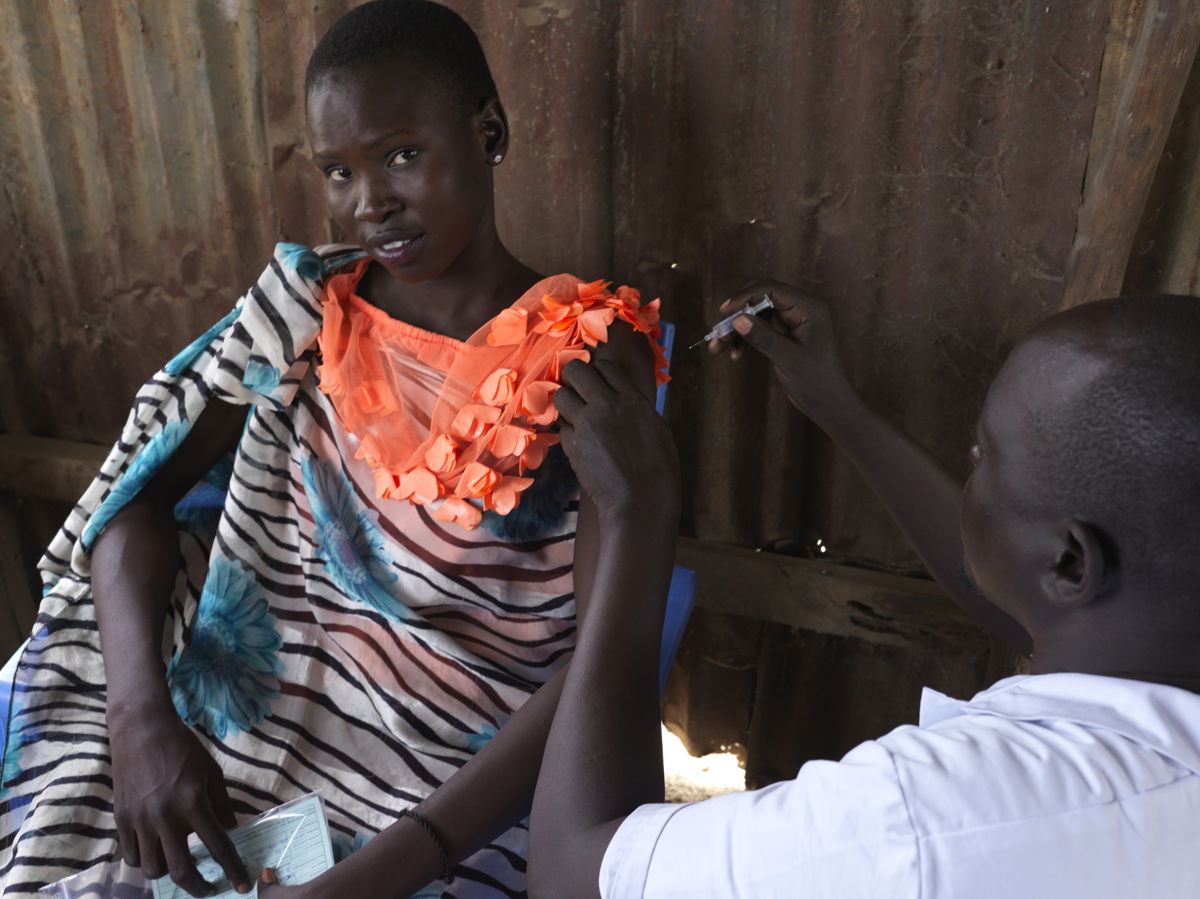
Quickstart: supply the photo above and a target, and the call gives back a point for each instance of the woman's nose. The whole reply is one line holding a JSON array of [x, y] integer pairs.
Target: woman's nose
[[376, 200]]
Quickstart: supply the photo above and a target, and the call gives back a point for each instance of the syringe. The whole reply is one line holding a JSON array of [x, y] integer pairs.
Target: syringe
[[724, 327]]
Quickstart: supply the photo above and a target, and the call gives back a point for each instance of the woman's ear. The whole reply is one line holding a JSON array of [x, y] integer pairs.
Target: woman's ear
[[1081, 568], [493, 130]]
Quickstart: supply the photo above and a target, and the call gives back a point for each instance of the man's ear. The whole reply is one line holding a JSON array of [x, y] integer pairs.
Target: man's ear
[[493, 129], [1081, 567]]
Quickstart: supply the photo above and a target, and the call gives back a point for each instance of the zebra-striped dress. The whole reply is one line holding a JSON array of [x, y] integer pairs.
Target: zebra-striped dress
[[319, 639]]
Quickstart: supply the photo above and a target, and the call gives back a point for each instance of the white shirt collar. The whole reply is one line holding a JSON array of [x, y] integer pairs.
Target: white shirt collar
[[1165, 718]]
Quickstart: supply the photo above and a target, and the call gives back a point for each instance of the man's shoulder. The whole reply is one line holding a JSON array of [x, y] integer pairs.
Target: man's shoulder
[[1039, 746]]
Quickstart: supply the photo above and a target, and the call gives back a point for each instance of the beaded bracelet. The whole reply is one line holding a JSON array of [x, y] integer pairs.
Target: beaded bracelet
[[447, 874]]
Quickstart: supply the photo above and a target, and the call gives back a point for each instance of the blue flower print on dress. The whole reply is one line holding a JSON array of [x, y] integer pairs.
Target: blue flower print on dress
[[225, 679], [14, 740], [148, 460], [301, 259], [476, 742], [348, 540], [261, 377]]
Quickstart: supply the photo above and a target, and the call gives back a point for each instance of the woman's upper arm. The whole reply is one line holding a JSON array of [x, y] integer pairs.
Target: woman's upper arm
[[631, 351], [214, 435]]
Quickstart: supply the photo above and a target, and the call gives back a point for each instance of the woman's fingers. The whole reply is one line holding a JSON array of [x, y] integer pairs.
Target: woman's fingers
[[182, 867], [153, 866], [569, 405], [615, 378], [268, 884], [221, 847], [128, 841], [586, 380]]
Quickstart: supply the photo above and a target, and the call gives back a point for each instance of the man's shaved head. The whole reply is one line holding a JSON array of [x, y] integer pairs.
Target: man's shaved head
[[1119, 446]]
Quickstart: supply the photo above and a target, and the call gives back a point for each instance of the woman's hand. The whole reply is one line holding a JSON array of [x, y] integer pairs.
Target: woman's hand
[[798, 338], [165, 787], [619, 446]]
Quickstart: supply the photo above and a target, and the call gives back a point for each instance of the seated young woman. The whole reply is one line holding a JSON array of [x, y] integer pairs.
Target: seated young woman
[[380, 605]]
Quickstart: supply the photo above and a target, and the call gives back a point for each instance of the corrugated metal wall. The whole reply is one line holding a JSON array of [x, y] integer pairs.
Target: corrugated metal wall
[[894, 157], [919, 163]]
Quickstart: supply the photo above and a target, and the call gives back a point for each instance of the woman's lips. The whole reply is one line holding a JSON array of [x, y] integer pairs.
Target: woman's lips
[[395, 253]]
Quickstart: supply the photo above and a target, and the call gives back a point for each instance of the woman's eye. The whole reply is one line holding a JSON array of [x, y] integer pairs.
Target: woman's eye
[[337, 173], [403, 155], [975, 454]]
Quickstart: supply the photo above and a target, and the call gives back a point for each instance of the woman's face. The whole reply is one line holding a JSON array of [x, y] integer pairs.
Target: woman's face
[[406, 168]]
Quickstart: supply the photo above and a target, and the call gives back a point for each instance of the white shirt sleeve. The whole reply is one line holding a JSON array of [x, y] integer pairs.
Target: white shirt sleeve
[[839, 829]]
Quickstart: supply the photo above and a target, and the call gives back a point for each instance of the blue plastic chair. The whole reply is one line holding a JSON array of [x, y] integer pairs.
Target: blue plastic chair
[[682, 594]]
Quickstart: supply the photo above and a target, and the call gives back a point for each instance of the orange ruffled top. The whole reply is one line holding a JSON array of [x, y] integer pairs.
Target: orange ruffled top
[[463, 422]]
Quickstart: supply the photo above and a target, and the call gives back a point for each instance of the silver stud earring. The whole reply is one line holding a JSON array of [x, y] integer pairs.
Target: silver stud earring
[[497, 159]]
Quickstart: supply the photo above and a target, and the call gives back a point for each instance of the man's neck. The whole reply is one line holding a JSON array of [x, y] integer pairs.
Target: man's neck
[[1138, 649]]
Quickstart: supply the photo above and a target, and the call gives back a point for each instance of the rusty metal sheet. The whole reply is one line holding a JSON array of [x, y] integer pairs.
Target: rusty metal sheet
[[918, 165]]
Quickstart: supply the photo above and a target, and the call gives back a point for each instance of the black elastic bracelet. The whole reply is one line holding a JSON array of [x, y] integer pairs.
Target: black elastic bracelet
[[447, 874]]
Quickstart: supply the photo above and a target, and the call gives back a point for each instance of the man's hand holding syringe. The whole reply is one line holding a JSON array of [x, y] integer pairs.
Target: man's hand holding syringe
[[798, 337]]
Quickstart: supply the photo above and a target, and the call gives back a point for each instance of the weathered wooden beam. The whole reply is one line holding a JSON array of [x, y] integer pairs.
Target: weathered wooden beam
[[1131, 139], [828, 599], [46, 468]]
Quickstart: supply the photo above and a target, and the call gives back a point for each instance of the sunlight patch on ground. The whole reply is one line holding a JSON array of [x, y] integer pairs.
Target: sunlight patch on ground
[[689, 778]]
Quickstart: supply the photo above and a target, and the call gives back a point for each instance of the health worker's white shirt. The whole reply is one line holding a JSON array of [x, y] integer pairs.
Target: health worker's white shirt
[[1069, 786]]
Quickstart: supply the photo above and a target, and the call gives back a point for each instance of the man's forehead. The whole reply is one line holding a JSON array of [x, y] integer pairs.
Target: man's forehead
[[1045, 371]]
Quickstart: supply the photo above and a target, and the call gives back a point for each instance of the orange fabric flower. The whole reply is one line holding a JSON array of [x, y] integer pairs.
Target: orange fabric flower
[[535, 451], [385, 483], [564, 358], [330, 384], [473, 420], [536, 402], [498, 387], [420, 486], [593, 325], [510, 440], [643, 319], [459, 511], [661, 364], [591, 290], [374, 396], [505, 496], [558, 318], [509, 327], [368, 450], [442, 455], [477, 480]]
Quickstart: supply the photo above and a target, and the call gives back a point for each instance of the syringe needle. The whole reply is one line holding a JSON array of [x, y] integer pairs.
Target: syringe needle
[[724, 327]]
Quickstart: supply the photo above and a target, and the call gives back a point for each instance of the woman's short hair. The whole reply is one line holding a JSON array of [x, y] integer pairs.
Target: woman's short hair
[[431, 35]]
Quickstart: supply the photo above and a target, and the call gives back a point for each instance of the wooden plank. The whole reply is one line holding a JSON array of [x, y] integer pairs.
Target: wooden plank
[[1130, 140], [828, 599], [47, 468]]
